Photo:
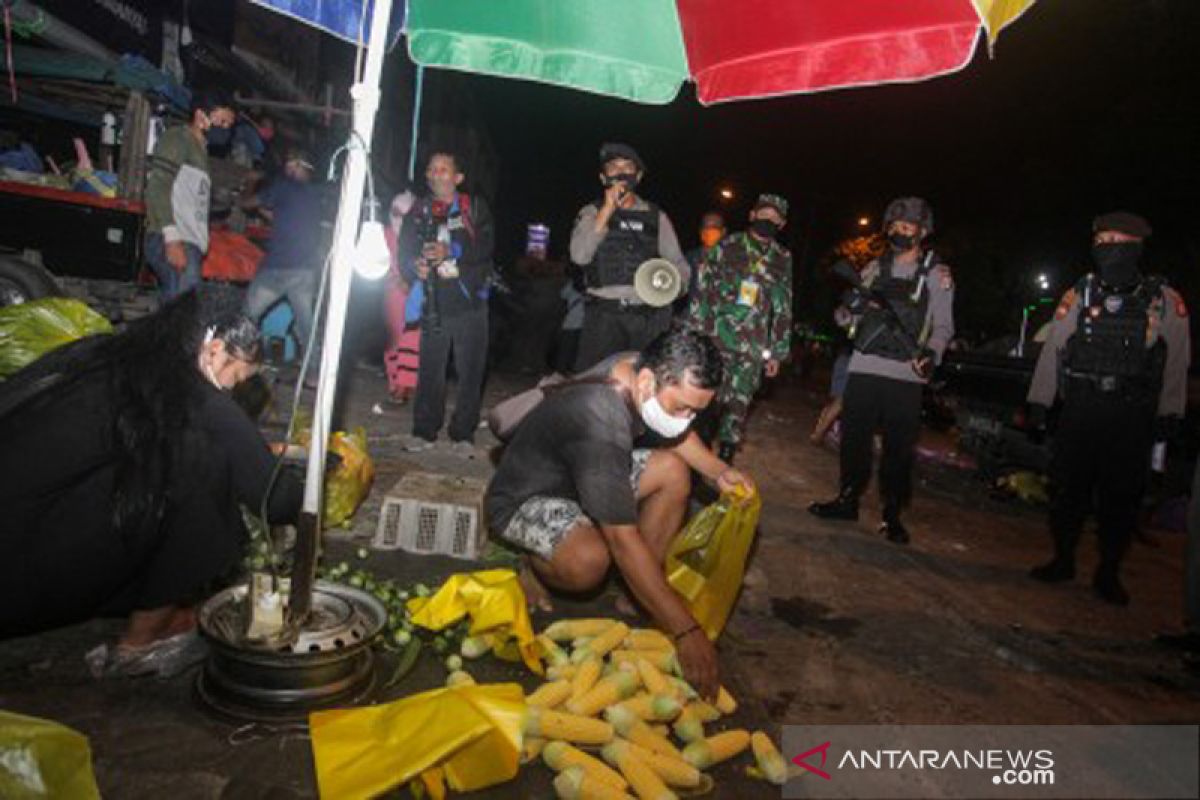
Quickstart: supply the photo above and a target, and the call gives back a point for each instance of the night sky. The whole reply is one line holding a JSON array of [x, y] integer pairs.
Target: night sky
[[1085, 108]]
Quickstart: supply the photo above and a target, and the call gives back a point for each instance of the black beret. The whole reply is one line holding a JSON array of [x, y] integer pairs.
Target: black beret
[[1123, 222], [611, 150]]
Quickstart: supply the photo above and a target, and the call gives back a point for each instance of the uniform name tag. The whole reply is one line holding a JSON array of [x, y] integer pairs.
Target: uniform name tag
[[454, 224], [748, 293]]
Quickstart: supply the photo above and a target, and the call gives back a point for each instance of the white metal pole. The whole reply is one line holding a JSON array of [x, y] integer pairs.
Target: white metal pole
[[365, 98]]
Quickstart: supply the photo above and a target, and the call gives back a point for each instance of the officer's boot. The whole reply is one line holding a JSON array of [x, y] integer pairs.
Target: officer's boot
[[844, 506], [726, 451], [892, 527], [1062, 566], [1107, 583]]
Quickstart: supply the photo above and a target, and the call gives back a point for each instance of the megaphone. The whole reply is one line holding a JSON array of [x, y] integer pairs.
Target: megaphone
[[657, 282]]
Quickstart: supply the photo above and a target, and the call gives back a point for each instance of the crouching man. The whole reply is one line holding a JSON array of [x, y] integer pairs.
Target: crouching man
[[599, 473]]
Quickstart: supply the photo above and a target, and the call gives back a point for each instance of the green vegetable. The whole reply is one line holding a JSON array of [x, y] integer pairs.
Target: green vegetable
[[402, 637], [454, 663], [363, 552], [408, 658]]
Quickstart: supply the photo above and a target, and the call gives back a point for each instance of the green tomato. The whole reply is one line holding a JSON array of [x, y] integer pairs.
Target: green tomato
[[356, 581], [454, 663], [363, 552], [401, 637]]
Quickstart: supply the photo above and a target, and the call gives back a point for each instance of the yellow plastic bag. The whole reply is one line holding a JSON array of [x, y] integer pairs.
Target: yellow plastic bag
[[30, 330], [707, 559], [348, 484], [43, 759], [468, 735], [496, 604]]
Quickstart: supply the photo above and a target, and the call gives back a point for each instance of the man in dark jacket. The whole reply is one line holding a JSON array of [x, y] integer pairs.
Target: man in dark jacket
[[612, 237], [446, 244]]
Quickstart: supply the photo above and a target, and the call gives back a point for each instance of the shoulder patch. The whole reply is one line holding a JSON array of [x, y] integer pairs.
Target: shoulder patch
[[1064, 305]]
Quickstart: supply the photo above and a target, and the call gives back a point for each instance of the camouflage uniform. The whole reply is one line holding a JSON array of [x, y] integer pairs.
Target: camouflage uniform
[[743, 300]]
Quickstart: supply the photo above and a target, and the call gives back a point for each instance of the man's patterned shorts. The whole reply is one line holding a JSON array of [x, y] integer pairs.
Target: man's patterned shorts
[[542, 522]]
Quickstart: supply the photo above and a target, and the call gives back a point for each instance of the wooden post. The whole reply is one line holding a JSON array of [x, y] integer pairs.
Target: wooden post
[[131, 176]]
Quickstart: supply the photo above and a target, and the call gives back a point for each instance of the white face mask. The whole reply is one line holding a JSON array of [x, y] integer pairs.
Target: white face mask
[[658, 420], [206, 364]]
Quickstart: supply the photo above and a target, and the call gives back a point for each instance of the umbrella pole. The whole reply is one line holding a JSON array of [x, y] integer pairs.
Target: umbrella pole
[[365, 98]]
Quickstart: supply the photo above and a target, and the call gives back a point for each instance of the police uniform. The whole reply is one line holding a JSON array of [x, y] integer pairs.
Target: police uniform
[[1117, 359], [903, 312], [615, 319], [743, 301]]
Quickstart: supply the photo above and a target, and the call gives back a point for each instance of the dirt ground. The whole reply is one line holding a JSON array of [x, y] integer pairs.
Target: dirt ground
[[843, 627]]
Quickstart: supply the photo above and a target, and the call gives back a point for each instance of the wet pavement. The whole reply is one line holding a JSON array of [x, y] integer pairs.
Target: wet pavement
[[840, 627]]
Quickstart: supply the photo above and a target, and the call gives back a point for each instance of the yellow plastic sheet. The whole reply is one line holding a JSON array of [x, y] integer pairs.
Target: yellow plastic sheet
[[468, 735], [997, 14], [496, 604], [43, 759], [707, 559]]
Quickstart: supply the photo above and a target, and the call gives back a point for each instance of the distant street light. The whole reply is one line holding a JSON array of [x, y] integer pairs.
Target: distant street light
[[1043, 281], [864, 222], [726, 193]]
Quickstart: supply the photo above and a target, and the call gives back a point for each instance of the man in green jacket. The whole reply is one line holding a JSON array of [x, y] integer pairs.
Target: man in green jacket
[[743, 300], [177, 194]]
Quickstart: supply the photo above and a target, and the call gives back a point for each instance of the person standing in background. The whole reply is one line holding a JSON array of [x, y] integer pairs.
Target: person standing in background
[[403, 355]]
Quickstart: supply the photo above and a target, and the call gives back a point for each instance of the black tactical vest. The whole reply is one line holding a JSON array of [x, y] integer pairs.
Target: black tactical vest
[[899, 335], [632, 238], [1109, 345]]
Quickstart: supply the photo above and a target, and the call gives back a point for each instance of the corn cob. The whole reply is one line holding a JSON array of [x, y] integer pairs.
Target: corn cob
[[617, 686], [552, 654], [683, 688], [647, 639], [674, 772], [715, 749], [573, 783], [653, 707], [687, 725], [585, 677], [562, 672], [459, 678], [549, 695], [604, 642], [531, 748], [663, 660], [560, 756], [570, 728], [768, 758], [725, 702], [567, 629], [646, 783], [635, 730], [703, 711], [654, 681]]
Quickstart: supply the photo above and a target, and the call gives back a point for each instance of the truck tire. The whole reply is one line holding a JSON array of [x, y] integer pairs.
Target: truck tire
[[21, 281]]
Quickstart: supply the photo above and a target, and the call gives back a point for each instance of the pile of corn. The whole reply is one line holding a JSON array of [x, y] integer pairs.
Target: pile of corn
[[617, 691]]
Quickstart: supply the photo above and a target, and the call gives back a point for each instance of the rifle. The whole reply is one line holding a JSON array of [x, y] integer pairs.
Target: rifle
[[873, 297]]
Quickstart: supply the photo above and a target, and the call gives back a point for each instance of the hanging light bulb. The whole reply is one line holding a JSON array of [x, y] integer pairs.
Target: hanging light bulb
[[372, 259]]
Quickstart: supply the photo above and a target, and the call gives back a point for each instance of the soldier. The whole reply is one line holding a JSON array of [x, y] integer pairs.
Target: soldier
[[743, 300], [1117, 356], [612, 237], [903, 318]]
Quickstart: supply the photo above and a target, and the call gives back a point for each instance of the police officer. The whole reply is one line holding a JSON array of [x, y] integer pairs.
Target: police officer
[[611, 239], [901, 321], [1117, 357], [743, 300]]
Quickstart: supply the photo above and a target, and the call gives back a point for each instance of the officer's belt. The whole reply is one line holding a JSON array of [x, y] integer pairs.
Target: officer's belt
[[1101, 383], [621, 303]]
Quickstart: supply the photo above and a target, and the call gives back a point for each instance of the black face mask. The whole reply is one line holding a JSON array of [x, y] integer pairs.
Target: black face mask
[[766, 228], [1117, 262], [630, 179], [901, 241]]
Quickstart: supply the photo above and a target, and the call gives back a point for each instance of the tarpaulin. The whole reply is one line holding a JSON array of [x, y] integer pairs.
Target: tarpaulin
[[494, 601], [468, 735]]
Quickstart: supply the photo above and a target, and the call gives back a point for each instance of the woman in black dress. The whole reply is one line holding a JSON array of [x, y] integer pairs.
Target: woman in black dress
[[123, 461]]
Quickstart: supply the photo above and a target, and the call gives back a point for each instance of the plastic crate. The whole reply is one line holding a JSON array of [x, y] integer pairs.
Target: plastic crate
[[431, 514]]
